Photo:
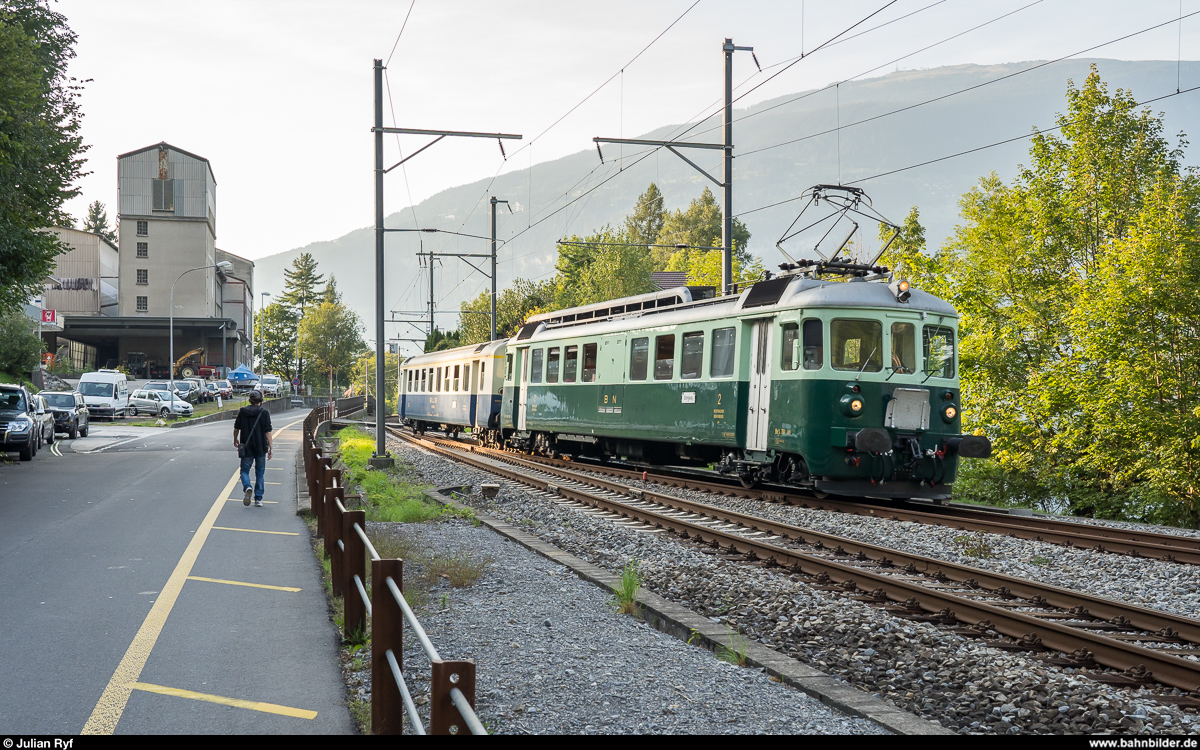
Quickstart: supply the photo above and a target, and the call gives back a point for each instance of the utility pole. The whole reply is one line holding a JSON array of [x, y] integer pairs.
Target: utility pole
[[494, 202], [727, 147]]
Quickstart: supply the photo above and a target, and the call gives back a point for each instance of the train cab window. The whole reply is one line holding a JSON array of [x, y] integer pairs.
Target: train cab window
[[571, 364], [589, 363], [691, 365], [508, 367], [814, 344], [790, 355], [456, 379], [904, 348], [535, 366], [552, 365], [857, 345], [721, 364], [664, 357], [639, 354], [939, 351]]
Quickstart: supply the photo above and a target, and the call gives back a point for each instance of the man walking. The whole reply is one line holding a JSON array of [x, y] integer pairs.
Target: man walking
[[253, 423]]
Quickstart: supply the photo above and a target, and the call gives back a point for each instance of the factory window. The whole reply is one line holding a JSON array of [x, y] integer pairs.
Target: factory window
[[143, 276], [589, 363], [857, 345], [814, 344], [664, 357], [163, 194], [571, 364], [791, 347], [535, 366], [143, 304], [552, 366], [143, 229], [721, 364], [143, 249], [904, 348], [639, 355], [692, 363]]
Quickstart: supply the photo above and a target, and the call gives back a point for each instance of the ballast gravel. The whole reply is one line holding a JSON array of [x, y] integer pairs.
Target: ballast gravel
[[553, 657], [962, 683]]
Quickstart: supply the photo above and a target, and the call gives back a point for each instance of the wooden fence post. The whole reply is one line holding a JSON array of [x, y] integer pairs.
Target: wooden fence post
[[387, 634], [444, 718], [354, 562]]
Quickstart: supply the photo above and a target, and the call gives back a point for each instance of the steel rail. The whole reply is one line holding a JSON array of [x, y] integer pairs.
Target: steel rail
[[1169, 670]]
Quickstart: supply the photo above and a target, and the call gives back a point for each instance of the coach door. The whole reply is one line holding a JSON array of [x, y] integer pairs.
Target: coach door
[[523, 390], [758, 403]]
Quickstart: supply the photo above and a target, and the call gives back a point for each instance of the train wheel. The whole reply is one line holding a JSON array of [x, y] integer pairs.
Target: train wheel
[[749, 480]]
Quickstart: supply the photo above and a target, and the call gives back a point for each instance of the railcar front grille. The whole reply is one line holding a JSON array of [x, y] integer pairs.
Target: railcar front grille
[[908, 409]]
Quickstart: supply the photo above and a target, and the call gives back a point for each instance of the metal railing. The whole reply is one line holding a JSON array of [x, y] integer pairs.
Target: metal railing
[[452, 683]]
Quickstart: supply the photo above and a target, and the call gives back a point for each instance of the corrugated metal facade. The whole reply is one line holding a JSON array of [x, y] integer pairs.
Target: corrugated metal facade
[[84, 279], [195, 189]]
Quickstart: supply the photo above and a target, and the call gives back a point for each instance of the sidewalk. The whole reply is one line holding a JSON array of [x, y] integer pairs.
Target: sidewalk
[[239, 640]]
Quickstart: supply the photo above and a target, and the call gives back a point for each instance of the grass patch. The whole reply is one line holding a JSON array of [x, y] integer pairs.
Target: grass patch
[[1039, 560], [361, 711], [735, 652], [626, 589], [975, 545]]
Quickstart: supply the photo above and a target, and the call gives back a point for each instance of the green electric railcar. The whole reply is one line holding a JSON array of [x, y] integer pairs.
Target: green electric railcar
[[844, 387]]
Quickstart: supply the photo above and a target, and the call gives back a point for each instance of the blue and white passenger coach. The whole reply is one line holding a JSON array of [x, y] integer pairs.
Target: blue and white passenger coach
[[454, 389]]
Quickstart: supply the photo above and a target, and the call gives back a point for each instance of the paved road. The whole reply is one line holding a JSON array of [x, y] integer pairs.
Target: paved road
[[142, 597]]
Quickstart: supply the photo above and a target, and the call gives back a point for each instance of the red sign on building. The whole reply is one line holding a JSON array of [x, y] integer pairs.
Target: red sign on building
[[49, 316]]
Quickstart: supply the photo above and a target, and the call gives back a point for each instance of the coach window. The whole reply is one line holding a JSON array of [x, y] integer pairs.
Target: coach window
[[939, 352], [638, 358], [857, 345], [904, 348], [467, 377], [421, 388], [589, 363], [456, 381], [507, 367], [790, 359], [664, 357], [447, 375], [814, 344], [535, 366], [692, 364], [552, 365], [571, 364], [439, 379], [721, 364]]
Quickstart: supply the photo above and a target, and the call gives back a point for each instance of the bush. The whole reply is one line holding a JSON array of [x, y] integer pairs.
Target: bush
[[20, 348]]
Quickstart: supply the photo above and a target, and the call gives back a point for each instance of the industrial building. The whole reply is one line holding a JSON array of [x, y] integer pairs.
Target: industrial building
[[166, 255]]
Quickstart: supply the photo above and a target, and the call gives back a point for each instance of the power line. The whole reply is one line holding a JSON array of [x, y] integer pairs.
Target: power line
[[402, 26], [963, 153]]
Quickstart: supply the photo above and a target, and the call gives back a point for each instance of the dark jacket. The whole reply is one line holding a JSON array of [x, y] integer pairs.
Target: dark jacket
[[254, 438]]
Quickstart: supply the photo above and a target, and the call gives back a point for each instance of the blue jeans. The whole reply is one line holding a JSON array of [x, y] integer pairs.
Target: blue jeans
[[260, 470]]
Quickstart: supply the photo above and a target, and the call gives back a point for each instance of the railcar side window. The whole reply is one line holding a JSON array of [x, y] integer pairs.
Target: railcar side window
[[814, 344], [790, 359], [939, 352], [589, 363], [638, 359], [508, 367], [721, 365], [552, 366], [664, 357], [439, 379], [857, 345], [571, 364], [422, 389], [466, 378], [692, 363], [456, 380], [904, 348], [535, 363]]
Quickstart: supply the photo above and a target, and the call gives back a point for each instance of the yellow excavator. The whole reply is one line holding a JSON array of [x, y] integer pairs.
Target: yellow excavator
[[187, 368]]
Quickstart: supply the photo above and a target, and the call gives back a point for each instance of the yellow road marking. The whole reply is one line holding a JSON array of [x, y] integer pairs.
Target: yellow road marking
[[274, 482], [269, 708], [257, 531], [242, 583], [116, 694]]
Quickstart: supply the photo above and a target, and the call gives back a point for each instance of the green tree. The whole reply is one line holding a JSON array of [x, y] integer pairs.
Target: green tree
[[300, 291], [699, 225], [645, 224], [514, 305], [41, 150], [330, 337], [362, 377], [908, 257], [1055, 339], [440, 341], [275, 331], [331, 293], [97, 222], [20, 348], [598, 267], [704, 267]]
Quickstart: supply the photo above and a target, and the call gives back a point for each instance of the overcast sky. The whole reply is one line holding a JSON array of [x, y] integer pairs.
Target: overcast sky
[[278, 95]]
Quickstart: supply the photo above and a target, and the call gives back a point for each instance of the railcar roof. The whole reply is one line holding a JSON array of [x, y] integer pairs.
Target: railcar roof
[[456, 354], [858, 293]]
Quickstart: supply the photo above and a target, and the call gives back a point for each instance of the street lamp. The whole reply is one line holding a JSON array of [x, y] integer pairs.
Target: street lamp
[[222, 266], [261, 348]]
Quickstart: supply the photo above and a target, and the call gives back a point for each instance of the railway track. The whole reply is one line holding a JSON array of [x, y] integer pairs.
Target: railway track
[[1145, 646]]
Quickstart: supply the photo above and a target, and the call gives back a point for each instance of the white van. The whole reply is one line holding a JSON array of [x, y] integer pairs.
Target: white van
[[106, 393]]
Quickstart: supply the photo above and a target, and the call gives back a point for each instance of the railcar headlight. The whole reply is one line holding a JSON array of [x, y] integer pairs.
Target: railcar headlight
[[852, 406], [950, 412], [902, 289]]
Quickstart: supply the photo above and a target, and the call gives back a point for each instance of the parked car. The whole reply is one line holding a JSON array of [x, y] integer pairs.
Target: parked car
[[202, 394], [190, 390], [106, 393], [17, 425], [224, 387], [180, 388], [70, 412], [271, 386], [162, 403], [44, 421]]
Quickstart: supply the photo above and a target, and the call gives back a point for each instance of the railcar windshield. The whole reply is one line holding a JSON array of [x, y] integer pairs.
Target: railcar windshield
[[939, 352], [857, 345], [904, 349]]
